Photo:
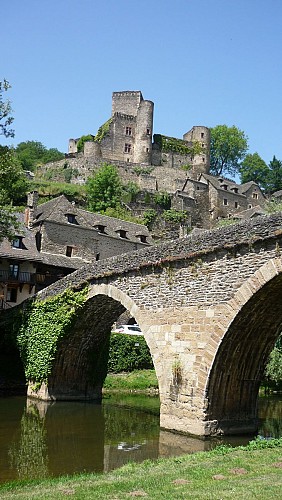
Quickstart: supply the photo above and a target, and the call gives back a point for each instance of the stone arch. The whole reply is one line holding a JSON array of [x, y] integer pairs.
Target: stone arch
[[79, 368], [246, 336]]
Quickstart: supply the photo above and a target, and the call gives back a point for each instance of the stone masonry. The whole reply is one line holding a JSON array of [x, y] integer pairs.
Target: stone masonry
[[209, 306]]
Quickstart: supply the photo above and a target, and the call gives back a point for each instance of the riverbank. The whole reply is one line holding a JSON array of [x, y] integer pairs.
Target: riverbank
[[253, 471], [135, 381]]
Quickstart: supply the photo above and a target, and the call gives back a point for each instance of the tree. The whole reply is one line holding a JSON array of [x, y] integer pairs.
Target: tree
[[104, 189], [5, 111], [274, 180], [13, 182], [8, 223], [228, 148], [33, 153], [253, 168]]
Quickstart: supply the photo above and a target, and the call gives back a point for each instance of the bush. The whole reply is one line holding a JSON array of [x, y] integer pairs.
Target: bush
[[128, 353]]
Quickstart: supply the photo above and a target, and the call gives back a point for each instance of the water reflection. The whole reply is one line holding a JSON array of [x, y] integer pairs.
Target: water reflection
[[39, 439]]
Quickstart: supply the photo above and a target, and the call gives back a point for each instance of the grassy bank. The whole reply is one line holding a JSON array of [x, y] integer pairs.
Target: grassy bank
[[138, 380], [254, 471]]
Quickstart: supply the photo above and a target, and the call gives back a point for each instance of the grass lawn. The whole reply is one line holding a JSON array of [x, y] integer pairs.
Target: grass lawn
[[251, 472], [138, 380]]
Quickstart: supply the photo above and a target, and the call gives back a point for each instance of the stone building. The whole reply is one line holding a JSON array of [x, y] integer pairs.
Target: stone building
[[127, 138], [57, 238]]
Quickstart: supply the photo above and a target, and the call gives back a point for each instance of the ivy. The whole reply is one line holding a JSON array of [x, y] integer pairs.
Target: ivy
[[171, 144], [103, 130], [176, 216], [45, 323]]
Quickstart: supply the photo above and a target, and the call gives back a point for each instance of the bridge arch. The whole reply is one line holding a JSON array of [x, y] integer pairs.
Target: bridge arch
[[248, 327], [79, 367]]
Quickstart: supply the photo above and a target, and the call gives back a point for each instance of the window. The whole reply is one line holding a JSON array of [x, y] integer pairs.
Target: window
[[255, 196], [11, 295], [122, 233], [69, 251], [236, 204], [14, 270], [128, 131], [17, 242], [203, 159], [147, 150], [235, 189], [127, 148], [224, 186], [202, 135], [225, 201], [100, 228], [71, 218], [148, 131], [250, 206], [97, 256], [143, 238]]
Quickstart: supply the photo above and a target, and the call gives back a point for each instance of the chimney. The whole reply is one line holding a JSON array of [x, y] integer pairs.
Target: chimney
[[32, 199]]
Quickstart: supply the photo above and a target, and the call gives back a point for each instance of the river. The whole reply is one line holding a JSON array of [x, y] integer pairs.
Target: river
[[40, 439]]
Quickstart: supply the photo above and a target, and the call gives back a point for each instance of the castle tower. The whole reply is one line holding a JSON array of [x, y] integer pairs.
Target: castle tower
[[144, 129], [200, 162]]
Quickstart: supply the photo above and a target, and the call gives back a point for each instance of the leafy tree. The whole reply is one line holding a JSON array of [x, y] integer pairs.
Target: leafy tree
[[33, 153], [228, 148], [13, 182], [82, 140], [273, 371], [274, 180], [253, 168], [104, 189], [8, 223], [5, 111]]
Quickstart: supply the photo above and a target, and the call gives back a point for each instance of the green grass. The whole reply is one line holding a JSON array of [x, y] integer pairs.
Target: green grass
[[254, 471], [138, 380]]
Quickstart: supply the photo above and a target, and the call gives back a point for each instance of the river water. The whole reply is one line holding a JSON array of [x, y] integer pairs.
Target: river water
[[40, 439]]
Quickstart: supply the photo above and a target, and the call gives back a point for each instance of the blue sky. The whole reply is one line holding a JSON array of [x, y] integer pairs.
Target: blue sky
[[202, 62]]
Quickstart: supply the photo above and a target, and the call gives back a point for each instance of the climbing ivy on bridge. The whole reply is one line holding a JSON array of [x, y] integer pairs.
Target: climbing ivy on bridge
[[44, 324]]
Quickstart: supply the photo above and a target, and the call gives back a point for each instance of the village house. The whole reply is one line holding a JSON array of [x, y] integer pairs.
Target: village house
[[55, 239]]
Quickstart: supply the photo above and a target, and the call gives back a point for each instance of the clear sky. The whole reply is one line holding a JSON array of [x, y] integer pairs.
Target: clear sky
[[202, 62]]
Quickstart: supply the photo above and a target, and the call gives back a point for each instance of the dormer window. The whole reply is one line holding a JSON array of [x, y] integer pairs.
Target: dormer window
[[142, 238], [122, 233], [235, 189], [18, 242], [100, 228], [224, 186], [71, 218], [255, 196]]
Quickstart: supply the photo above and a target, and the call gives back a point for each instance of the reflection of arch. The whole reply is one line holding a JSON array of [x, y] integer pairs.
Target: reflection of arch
[[247, 332], [80, 364]]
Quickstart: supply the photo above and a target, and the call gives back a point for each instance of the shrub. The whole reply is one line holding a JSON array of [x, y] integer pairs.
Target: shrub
[[128, 353]]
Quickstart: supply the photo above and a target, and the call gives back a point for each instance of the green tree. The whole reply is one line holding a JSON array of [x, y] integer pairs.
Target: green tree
[[228, 148], [5, 111], [13, 182], [82, 140], [274, 180], [33, 153], [104, 189], [254, 168], [8, 223]]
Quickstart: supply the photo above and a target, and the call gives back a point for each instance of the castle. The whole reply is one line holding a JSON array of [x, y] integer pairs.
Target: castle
[[159, 163], [127, 138]]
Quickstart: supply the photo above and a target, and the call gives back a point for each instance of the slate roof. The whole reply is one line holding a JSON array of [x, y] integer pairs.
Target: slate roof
[[56, 210], [219, 181], [29, 252]]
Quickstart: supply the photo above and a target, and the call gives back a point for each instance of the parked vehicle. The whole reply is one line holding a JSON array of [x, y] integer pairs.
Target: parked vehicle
[[129, 329]]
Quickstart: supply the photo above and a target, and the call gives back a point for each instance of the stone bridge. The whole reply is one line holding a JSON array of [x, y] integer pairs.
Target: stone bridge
[[210, 307]]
